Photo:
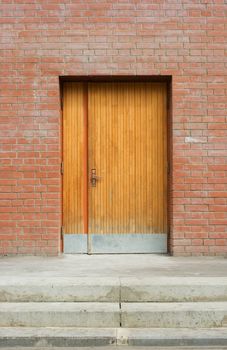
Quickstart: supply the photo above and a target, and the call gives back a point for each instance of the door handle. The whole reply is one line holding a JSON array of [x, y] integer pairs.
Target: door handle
[[94, 177]]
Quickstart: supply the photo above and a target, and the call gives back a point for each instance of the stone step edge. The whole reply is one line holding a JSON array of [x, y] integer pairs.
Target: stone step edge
[[71, 337], [114, 290], [127, 315]]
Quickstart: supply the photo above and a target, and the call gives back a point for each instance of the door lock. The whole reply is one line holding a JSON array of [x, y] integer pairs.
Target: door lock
[[94, 178]]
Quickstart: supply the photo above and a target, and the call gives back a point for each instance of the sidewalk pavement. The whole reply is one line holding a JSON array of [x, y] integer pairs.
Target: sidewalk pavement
[[122, 265]]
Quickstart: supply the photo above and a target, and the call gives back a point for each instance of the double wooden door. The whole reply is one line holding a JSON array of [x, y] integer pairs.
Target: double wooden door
[[115, 167]]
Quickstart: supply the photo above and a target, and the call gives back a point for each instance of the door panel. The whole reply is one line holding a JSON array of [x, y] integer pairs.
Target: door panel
[[73, 157], [127, 148]]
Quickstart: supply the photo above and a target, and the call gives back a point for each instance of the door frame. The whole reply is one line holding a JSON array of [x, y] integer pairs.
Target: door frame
[[119, 78]]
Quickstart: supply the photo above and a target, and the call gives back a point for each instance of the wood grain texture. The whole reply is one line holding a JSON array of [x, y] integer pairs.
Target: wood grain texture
[[128, 148], [73, 125]]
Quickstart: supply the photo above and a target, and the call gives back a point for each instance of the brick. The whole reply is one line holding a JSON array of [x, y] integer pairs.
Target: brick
[[42, 41]]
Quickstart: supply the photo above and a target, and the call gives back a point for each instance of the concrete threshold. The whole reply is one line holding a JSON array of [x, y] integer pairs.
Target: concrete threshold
[[75, 337], [122, 265]]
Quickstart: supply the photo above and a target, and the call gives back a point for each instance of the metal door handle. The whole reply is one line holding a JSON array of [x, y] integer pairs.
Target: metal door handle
[[94, 177]]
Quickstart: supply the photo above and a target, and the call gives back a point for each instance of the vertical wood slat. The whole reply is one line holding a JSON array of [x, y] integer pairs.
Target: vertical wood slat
[[127, 146], [73, 131], [85, 159]]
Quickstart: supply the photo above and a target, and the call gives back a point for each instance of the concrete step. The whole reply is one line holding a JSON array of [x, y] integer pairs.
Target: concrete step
[[126, 315], [173, 289], [76, 337], [59, 314], [168, 315], [59, 289], [156, 289]]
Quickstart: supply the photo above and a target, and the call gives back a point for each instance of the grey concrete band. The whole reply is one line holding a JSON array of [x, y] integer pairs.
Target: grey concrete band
[[116, 243]]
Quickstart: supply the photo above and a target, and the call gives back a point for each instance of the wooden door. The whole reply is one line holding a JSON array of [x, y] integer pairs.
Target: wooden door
[[73, 143], [127, 155]]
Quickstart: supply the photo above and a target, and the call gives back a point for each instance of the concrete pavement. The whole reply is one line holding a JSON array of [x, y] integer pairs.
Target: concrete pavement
[[41, 295], [132, 265], [120, 348]]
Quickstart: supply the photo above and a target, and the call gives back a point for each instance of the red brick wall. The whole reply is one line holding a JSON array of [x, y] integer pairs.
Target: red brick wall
[[41, 40]]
